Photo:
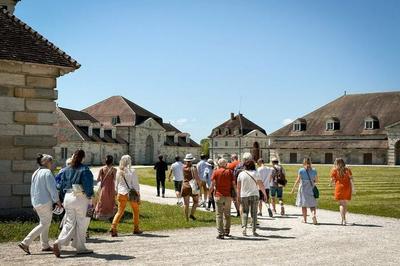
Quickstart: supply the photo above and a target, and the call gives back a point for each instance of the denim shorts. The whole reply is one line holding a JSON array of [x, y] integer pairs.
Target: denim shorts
[[276, 192], [178, 186]]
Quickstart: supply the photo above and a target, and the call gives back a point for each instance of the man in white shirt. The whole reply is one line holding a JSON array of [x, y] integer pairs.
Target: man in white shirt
[[264, 172], [177, 172], [201, 167]]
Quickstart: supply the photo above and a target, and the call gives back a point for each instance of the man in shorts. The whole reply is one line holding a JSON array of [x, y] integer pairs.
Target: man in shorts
[[201, 168], [265, 173], [276, 190], [177, 172]]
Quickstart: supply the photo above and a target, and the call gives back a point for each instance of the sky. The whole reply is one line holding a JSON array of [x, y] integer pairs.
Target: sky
[[195, 62]]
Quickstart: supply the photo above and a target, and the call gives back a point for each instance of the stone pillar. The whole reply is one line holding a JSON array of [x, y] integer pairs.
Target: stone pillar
[[27, 115]]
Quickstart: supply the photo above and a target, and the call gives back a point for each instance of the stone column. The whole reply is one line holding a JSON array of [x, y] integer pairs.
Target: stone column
[[27, 95]]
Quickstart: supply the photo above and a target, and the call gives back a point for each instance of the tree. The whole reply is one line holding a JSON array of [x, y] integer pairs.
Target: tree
[[205, 147]]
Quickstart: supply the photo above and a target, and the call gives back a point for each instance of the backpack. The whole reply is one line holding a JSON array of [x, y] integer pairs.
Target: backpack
[[238, 169], [279, 176]]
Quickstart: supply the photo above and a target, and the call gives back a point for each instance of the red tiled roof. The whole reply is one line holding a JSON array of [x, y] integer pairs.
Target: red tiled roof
[[19, 42]]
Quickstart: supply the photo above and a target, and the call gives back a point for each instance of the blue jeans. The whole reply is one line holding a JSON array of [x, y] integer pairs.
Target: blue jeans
[[276, 192]]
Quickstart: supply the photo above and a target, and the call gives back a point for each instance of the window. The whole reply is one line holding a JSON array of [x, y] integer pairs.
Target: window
[[371, 123], [115, 120], [333, 124], [216, 143], [64, 153], [226, 144], [237, 143], [300, 125], [3, 7]]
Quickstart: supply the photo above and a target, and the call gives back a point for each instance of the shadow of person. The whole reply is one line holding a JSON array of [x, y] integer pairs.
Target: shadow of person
[[100, 241], [352, 224], [280, 237], [106, 257], [242, 238], [148, 235], [273, 229]]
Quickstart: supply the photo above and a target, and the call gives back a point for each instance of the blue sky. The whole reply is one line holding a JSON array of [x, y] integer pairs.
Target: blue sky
[[194, 62]]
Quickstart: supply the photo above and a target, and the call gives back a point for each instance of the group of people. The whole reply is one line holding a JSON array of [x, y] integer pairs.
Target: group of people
[[246, 183]]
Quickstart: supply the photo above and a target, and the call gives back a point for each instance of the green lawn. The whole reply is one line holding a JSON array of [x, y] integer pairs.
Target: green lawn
[[153, 217], [378, 189]]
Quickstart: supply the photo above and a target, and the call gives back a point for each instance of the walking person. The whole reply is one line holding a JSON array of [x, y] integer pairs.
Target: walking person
[[43, 195], [249, 184], [201, 168], [308, 178], [223, 182], [277, 181], [208, 173], [77, 186], [190, 187], [177, 173], [128, 189], [105, 207], [265, 173], [233, 165], [161, 167], [342, 178]]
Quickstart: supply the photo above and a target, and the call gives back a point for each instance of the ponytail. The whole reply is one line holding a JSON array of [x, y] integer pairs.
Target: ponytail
[[77, 158]]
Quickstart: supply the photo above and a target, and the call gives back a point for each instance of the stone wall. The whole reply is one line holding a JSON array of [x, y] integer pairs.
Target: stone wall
[[170, 152], [27, 95], [394, 145]]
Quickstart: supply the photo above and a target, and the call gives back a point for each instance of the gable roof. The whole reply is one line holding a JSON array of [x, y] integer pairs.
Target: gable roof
[[170, 128], [129, 112], [19, 42], [73, 115], [351, 111], [239, 122]]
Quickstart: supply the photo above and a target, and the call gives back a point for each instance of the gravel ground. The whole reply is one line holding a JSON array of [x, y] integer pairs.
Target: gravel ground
[[284, 240]]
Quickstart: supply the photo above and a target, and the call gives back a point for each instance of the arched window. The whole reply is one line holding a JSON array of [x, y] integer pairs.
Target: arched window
[[333, 124], [371, 122], [300, 125]]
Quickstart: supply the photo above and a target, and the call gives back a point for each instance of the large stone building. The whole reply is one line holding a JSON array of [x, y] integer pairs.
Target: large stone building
[[118, 126], [29, 67], [237, 136], [361, 128]]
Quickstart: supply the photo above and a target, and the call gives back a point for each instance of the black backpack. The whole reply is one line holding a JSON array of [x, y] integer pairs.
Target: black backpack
[[279, 176]]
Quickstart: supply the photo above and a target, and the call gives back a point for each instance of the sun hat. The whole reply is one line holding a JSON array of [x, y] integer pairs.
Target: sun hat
[[189, 158], [274, 159], [210, 161]]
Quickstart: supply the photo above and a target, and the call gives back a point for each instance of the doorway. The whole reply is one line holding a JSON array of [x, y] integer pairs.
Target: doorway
[[329, 158], [293, 158], [368, 158], [149, 151]]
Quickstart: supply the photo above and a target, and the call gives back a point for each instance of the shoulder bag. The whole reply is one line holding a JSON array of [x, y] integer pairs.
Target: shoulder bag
[[193, 183], [315, 189], [133, 195]]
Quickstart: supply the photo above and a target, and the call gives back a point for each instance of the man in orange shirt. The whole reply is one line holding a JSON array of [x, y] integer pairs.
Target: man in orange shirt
[[234, 163], [223, 182]]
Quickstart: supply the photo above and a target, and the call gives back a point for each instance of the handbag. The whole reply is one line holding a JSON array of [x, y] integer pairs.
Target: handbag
[[193, 184], [315, 188], [133, 195]]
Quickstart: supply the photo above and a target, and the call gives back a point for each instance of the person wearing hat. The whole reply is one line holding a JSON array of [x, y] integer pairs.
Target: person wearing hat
[[190, 187], [208, 173], [43, 195], [276, 189]]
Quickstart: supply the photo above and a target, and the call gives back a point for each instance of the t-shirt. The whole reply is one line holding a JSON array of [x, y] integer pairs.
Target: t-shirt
[[160, 168], [177, 171], [201, 167], [233, 165], [223, 179], [248, 186], [265, 174], [312, 174]]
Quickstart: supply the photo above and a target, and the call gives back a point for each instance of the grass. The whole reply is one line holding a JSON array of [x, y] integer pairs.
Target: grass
[[378, 189], [153, 217]]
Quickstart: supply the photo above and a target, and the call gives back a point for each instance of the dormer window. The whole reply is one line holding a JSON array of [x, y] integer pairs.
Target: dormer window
[[371, 123], [115, 120], [300, 125], [333, 124]]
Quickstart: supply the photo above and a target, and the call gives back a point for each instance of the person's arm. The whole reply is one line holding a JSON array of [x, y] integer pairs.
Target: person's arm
[[296, 183], [52, 188], [87, 183], [100, 175], [170, 174], [212, 187], [239, 186], [261, 187]]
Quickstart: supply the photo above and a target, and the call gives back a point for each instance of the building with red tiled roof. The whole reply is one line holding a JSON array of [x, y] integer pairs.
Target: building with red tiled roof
[[238, 135], [361, 128]]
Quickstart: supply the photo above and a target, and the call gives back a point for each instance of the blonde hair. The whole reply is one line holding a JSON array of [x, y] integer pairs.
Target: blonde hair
[[340, 166], [307, 162], [222, 162], [124, 164]]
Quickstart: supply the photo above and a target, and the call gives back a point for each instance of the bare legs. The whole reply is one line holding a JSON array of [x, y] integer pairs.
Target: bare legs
[[343, 210], [314, 214], [186, 202]]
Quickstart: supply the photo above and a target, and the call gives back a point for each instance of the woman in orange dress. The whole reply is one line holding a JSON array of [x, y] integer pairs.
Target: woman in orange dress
[[341, 177]]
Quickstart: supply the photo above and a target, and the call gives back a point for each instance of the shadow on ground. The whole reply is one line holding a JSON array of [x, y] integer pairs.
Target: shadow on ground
[[107, 257]]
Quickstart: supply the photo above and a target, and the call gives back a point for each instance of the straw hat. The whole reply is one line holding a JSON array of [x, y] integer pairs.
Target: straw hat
[[189, 158]]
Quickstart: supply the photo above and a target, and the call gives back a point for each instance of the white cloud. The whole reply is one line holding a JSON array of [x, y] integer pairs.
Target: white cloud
[[287, 121], [181, 121]]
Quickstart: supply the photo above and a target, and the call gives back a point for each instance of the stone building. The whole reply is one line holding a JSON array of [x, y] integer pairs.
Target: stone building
[[29, 68], [79, 130], [238, 135], [361, 128], [134, 131]]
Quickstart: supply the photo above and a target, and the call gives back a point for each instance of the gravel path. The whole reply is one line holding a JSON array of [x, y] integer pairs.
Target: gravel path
[[284, 240]]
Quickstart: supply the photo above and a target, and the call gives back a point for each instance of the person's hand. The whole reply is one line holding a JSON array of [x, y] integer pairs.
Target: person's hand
[[59, 204]]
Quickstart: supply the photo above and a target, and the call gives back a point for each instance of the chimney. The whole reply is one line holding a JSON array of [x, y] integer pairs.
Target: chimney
[[187, 138], [232, 116], [102, 132], [114, 132], [8, 5], [90, 131]]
